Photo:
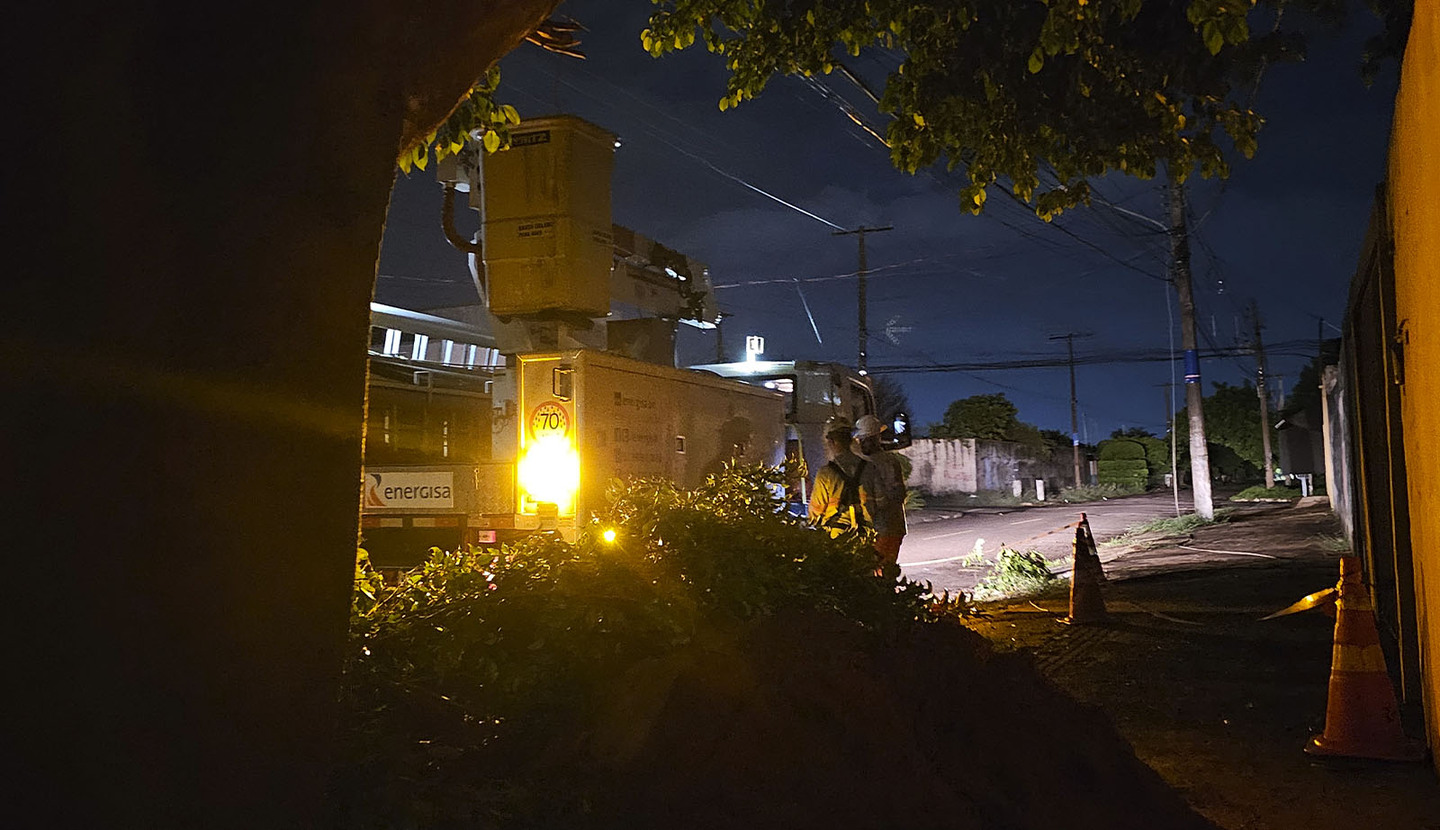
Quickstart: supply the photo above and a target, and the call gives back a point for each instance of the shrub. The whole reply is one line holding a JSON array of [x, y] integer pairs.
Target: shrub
[[467, 680], [1122, 463], [1121, 449], [1075, 495], [914, 499], [1016, 574], [1130, 473], [1260, 492], [1165, 526]]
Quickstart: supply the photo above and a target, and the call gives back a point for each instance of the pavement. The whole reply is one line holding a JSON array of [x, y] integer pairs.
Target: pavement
[[939, 539], [1217, 701]]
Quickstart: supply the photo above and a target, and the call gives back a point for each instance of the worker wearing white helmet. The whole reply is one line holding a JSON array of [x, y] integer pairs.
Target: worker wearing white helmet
[[889, 493]]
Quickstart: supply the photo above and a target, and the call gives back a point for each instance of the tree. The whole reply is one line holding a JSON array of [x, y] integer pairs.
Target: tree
[[988, 417], [1232, 421], [1056, 440], [189, 431], [1063, 90], [890, 398], [1045, 95], [992, 417], [1132, 432]]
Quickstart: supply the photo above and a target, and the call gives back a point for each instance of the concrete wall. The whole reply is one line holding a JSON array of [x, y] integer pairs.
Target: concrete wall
[[997, 464], [963, 465], [942, 465], [1414, 179]]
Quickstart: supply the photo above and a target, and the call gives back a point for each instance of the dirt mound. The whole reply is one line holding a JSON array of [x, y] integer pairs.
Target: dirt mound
[[803, 721]]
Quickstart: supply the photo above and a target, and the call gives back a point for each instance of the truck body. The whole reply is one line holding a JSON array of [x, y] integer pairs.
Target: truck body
[[563, 425]]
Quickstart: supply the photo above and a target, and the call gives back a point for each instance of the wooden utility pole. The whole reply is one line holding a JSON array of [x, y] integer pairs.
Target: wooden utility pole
[[1194, 393], [861, 301], [1264, 398], [1069, 338]]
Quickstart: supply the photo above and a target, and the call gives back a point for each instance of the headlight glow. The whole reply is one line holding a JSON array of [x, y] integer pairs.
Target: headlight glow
[[549, 472]]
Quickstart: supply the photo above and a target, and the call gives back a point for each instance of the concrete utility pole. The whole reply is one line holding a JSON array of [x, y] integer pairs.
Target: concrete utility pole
[[1194, 393], [1264, 398], [1069, 338], [862, 303]]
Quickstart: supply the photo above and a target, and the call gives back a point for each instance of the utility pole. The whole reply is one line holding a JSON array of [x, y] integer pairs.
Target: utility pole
[[862, 303], [1264, 398], [1194, 393], [1069, 338]]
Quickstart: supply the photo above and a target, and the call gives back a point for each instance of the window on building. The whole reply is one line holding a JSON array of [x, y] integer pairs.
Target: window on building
[[416, 426]]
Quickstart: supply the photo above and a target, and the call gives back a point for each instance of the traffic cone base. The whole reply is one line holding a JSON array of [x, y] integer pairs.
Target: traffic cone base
[[1362, 719]]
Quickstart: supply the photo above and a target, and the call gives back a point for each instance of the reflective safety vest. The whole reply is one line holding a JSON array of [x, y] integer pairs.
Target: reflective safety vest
[[846, 512]]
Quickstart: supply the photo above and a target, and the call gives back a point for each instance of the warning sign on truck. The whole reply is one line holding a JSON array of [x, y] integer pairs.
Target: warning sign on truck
[[549, 419]]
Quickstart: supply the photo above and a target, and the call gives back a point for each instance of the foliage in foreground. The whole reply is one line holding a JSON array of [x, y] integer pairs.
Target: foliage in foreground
[[1045, 96], [470, 684], [1015, 573], [1176, 526]]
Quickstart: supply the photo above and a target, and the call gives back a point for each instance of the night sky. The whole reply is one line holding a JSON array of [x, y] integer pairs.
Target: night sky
[[1285, 229]]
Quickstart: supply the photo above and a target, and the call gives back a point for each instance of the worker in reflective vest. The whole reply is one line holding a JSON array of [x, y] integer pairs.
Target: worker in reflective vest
[[843, 498]]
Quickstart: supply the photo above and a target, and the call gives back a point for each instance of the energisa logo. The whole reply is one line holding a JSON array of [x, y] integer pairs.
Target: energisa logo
[[393, 490]]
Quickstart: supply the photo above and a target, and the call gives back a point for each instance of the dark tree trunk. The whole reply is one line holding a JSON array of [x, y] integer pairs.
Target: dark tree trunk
[[183, 379]]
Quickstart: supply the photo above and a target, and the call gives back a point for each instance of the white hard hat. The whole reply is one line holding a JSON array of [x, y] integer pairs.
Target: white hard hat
[[867, 426]]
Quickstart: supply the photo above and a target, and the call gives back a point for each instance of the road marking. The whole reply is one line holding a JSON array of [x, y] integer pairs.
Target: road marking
[[945, 535], [1028, 521], [931, 562]]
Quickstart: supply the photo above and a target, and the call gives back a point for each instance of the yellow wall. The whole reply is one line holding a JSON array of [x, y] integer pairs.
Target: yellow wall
[[1414, 186]]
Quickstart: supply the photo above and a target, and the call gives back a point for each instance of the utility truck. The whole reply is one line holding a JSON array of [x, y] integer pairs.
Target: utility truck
[[514, 416], [563, 425]]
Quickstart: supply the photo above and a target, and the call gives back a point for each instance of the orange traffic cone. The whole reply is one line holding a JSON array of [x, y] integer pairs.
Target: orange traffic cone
[[1362, 719], [1094, 549], [1087, 606]]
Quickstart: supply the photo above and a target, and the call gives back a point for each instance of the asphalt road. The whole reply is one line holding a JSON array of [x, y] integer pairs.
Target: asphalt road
[[938, 540]]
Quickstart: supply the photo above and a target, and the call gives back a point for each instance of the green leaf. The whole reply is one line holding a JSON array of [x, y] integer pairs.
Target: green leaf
[[1037, 60], [1213, 38], [491, 141]]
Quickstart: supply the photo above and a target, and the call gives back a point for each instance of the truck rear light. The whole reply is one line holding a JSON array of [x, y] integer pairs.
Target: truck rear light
[[549, 473], [485, 537]]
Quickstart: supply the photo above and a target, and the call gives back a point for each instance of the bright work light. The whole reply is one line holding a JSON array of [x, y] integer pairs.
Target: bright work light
[[549, 472]]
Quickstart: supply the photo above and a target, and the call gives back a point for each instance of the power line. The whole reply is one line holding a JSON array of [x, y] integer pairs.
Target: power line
[[707, 163], [1289, 348]]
